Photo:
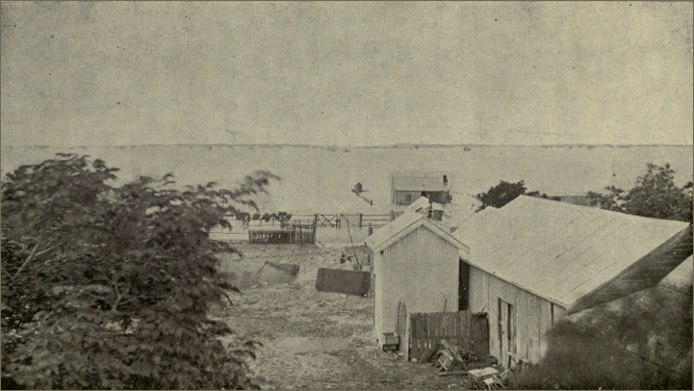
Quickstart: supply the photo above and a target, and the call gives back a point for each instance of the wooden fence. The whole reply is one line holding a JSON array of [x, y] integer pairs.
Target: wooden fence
[[470, 331], [340, 220], [292, 233], [304, 227]]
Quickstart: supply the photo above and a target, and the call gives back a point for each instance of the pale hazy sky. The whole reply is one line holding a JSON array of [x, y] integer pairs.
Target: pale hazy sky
[[346, 73]]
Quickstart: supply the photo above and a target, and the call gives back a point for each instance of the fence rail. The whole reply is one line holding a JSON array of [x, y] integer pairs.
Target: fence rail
[[339, 220], [240, 228]]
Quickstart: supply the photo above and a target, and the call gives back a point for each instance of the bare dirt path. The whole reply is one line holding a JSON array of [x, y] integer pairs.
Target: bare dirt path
[[312, 339]]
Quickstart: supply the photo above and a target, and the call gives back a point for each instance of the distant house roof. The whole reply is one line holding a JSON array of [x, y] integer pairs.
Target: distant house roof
[[406, 223], [418, 183], [562, 252]]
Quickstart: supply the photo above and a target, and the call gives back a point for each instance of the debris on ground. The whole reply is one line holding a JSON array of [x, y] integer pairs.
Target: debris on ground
[[483, 378], [450, 359]]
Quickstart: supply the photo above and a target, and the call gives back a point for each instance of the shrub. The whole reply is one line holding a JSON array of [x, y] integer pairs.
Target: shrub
[[642, 341], [107, 286]]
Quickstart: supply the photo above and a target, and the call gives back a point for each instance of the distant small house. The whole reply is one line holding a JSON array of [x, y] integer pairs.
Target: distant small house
[[534, 260], [415, 267], [406, 189]]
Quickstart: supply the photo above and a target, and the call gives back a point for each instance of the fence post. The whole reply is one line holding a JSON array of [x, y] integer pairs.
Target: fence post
[[360, 218], [315, 227]]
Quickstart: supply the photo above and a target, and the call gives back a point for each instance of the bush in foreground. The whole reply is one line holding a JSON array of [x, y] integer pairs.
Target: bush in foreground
[[642, 341], [108, 286]]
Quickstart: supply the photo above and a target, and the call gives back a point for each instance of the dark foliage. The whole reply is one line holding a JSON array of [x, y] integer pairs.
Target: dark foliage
[[654, 195], [644, 343], [108, 286], [505, 192]]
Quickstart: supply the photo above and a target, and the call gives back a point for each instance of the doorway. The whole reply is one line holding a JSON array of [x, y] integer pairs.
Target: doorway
[[506, 326]]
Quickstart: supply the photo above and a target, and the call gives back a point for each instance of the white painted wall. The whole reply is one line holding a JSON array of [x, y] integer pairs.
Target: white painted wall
[[421, 269]]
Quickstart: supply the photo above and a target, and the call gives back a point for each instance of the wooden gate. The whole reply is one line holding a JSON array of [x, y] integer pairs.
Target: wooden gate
[[470, 331]]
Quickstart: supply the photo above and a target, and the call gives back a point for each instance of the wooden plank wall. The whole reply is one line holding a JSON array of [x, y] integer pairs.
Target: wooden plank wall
[[534, 316], [421, 270], [464, 329]]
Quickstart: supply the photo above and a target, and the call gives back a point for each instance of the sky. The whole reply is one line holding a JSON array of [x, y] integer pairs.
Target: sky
[[353, 74]]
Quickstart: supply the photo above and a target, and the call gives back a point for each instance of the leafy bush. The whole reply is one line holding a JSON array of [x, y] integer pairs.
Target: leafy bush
[[107, 286], [642, 341], [654, 195]]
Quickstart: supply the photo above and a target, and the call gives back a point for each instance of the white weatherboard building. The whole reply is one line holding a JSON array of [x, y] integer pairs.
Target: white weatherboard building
[[415, 266], [534, 260]]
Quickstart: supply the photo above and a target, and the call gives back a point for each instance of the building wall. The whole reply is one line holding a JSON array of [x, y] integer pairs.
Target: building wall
[[400, 196], [534, 316], [378, 296], [421, 270]]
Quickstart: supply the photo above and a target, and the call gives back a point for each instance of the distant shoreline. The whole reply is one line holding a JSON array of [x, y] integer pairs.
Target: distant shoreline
[[361, 147]]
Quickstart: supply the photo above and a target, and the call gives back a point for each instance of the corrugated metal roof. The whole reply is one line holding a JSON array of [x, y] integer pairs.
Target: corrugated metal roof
[[560, 251], [419, 183], [405, 224]]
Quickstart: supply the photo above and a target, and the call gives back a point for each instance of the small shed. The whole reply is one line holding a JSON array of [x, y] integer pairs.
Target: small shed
[[534, 260], [415, 267]]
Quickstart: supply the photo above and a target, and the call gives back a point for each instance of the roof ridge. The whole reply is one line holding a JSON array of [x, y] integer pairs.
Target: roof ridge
[[596, 210]]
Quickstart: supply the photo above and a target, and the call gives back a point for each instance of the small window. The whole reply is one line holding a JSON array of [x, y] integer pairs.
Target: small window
[[408, 198]]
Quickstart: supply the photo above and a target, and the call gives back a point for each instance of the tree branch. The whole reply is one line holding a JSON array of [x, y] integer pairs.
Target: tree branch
[[119, 296], [26, 261]]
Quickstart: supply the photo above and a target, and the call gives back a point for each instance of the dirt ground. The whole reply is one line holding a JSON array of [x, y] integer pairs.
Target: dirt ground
[[312, 339]]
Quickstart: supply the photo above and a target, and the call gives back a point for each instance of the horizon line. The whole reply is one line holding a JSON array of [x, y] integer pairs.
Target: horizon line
[[394, 145]]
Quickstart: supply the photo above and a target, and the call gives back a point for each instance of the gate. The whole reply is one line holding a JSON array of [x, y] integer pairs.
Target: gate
[[470, 331]]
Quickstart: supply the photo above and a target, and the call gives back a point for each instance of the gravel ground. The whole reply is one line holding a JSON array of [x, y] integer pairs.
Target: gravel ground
[[312, 339]]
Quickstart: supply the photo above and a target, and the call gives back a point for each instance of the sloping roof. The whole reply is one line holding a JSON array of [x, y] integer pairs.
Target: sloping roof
[[406, 223], [643, 274], [459, 211], [418, 183], [477, 217], [419, 203], [560, 251]]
